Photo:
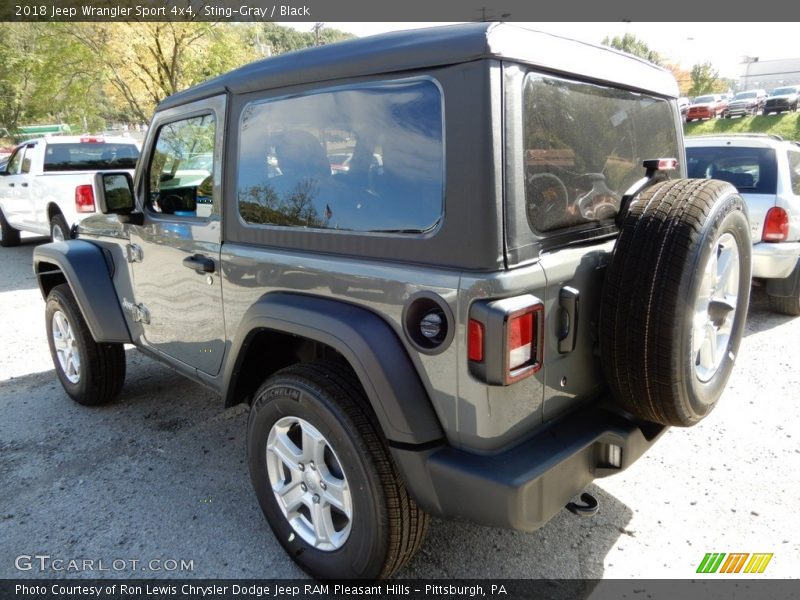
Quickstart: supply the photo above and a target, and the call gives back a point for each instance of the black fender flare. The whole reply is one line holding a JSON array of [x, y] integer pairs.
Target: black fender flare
[[365, 340], [89, 273]]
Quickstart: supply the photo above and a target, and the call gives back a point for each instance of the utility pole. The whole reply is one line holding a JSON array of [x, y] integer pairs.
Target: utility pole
[[316, 29]]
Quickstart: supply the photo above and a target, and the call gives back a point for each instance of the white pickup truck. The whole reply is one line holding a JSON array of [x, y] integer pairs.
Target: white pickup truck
[[48, 183]]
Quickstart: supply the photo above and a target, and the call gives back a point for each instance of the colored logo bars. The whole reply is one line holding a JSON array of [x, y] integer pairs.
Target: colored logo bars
[[742, 562]]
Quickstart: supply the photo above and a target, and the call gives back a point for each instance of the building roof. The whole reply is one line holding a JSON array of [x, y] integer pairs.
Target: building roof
[[432, 47]]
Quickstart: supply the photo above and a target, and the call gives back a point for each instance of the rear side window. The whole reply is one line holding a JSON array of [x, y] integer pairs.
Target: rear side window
[[367, 158], [584, 145], [86, 156], [794, 171], [750, 170]]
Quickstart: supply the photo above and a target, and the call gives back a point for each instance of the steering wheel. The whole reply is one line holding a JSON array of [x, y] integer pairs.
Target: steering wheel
[[547, 202], [600, 202]]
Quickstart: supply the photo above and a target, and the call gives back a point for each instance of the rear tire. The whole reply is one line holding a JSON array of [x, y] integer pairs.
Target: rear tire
[[786, 306], [91, 373], [675, 300], [321, 405], [59, 230], [788, 303], [9, 236]]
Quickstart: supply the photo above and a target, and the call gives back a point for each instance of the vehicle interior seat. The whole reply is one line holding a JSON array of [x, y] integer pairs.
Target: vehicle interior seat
[[301, 156], [739, 180]]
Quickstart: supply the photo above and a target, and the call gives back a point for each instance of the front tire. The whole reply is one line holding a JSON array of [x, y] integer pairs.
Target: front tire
[[675, 300], [91, 373], [9, 236], [324, 478]]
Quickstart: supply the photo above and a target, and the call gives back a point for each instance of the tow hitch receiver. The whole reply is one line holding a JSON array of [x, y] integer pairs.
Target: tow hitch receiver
[[589, 507]]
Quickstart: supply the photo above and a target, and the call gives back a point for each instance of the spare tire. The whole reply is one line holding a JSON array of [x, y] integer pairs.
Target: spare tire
[[675, 300]]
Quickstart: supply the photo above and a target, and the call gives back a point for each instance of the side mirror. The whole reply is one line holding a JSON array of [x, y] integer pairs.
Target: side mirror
[[114, 193]]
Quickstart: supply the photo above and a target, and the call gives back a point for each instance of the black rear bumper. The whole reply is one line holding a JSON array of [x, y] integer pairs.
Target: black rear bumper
[[524, 487]]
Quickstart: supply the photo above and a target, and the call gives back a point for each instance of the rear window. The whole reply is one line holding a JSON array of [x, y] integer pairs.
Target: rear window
[[750, 170], [362, 158], [584, 145], [90, 156]]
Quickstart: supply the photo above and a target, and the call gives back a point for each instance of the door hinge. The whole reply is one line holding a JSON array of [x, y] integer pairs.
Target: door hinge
[[137, 312], [134, 253]]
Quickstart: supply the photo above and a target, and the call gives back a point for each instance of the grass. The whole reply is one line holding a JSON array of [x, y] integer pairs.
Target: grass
[[786, 125]]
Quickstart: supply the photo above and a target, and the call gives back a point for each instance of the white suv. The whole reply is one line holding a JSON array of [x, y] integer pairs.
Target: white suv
[[766, 171]]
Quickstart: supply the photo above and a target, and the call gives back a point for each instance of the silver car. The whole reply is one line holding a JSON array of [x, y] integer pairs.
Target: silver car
[[766, 171]]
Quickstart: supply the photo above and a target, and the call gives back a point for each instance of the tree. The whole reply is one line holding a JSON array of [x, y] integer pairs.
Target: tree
[[145, 62], [705, 80], [86, 74], [682, 76], [284, 39], [15, 74], [632, 45], [45, 76]]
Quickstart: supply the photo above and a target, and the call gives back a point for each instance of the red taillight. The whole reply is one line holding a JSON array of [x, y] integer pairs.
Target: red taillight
[[92, 140], [525, 339], [475, 340], [776, 225], [84, 199], [520, 340]]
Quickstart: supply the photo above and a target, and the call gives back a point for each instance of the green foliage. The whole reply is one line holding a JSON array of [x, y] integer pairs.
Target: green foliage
[[275, 39], [87, 74], [706, 80], [785, 125], [632, 45]]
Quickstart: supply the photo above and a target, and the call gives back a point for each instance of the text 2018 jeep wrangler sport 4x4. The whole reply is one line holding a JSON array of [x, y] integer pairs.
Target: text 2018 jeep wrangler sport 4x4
[[503, 290]]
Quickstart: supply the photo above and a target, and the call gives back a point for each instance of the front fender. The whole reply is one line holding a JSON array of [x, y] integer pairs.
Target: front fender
[[366, 341], [89, 273]]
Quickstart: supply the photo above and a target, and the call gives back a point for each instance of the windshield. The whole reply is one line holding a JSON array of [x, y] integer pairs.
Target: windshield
[[744, 95], [784, 91], [703, 100], [90, 156]]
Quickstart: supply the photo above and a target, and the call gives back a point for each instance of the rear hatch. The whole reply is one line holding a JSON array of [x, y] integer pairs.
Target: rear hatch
[[581, 147]]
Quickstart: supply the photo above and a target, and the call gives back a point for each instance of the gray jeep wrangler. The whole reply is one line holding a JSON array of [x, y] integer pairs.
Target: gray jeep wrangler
[[454, 272]]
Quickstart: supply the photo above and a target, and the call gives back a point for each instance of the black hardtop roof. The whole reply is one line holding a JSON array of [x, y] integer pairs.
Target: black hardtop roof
[[436, 46]]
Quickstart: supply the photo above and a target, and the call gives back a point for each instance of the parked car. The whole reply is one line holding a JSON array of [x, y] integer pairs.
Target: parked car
[[749, 102], [766, 171], [477, 331], [782, 99], [706, 107], [683, 105], [48, 183]]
